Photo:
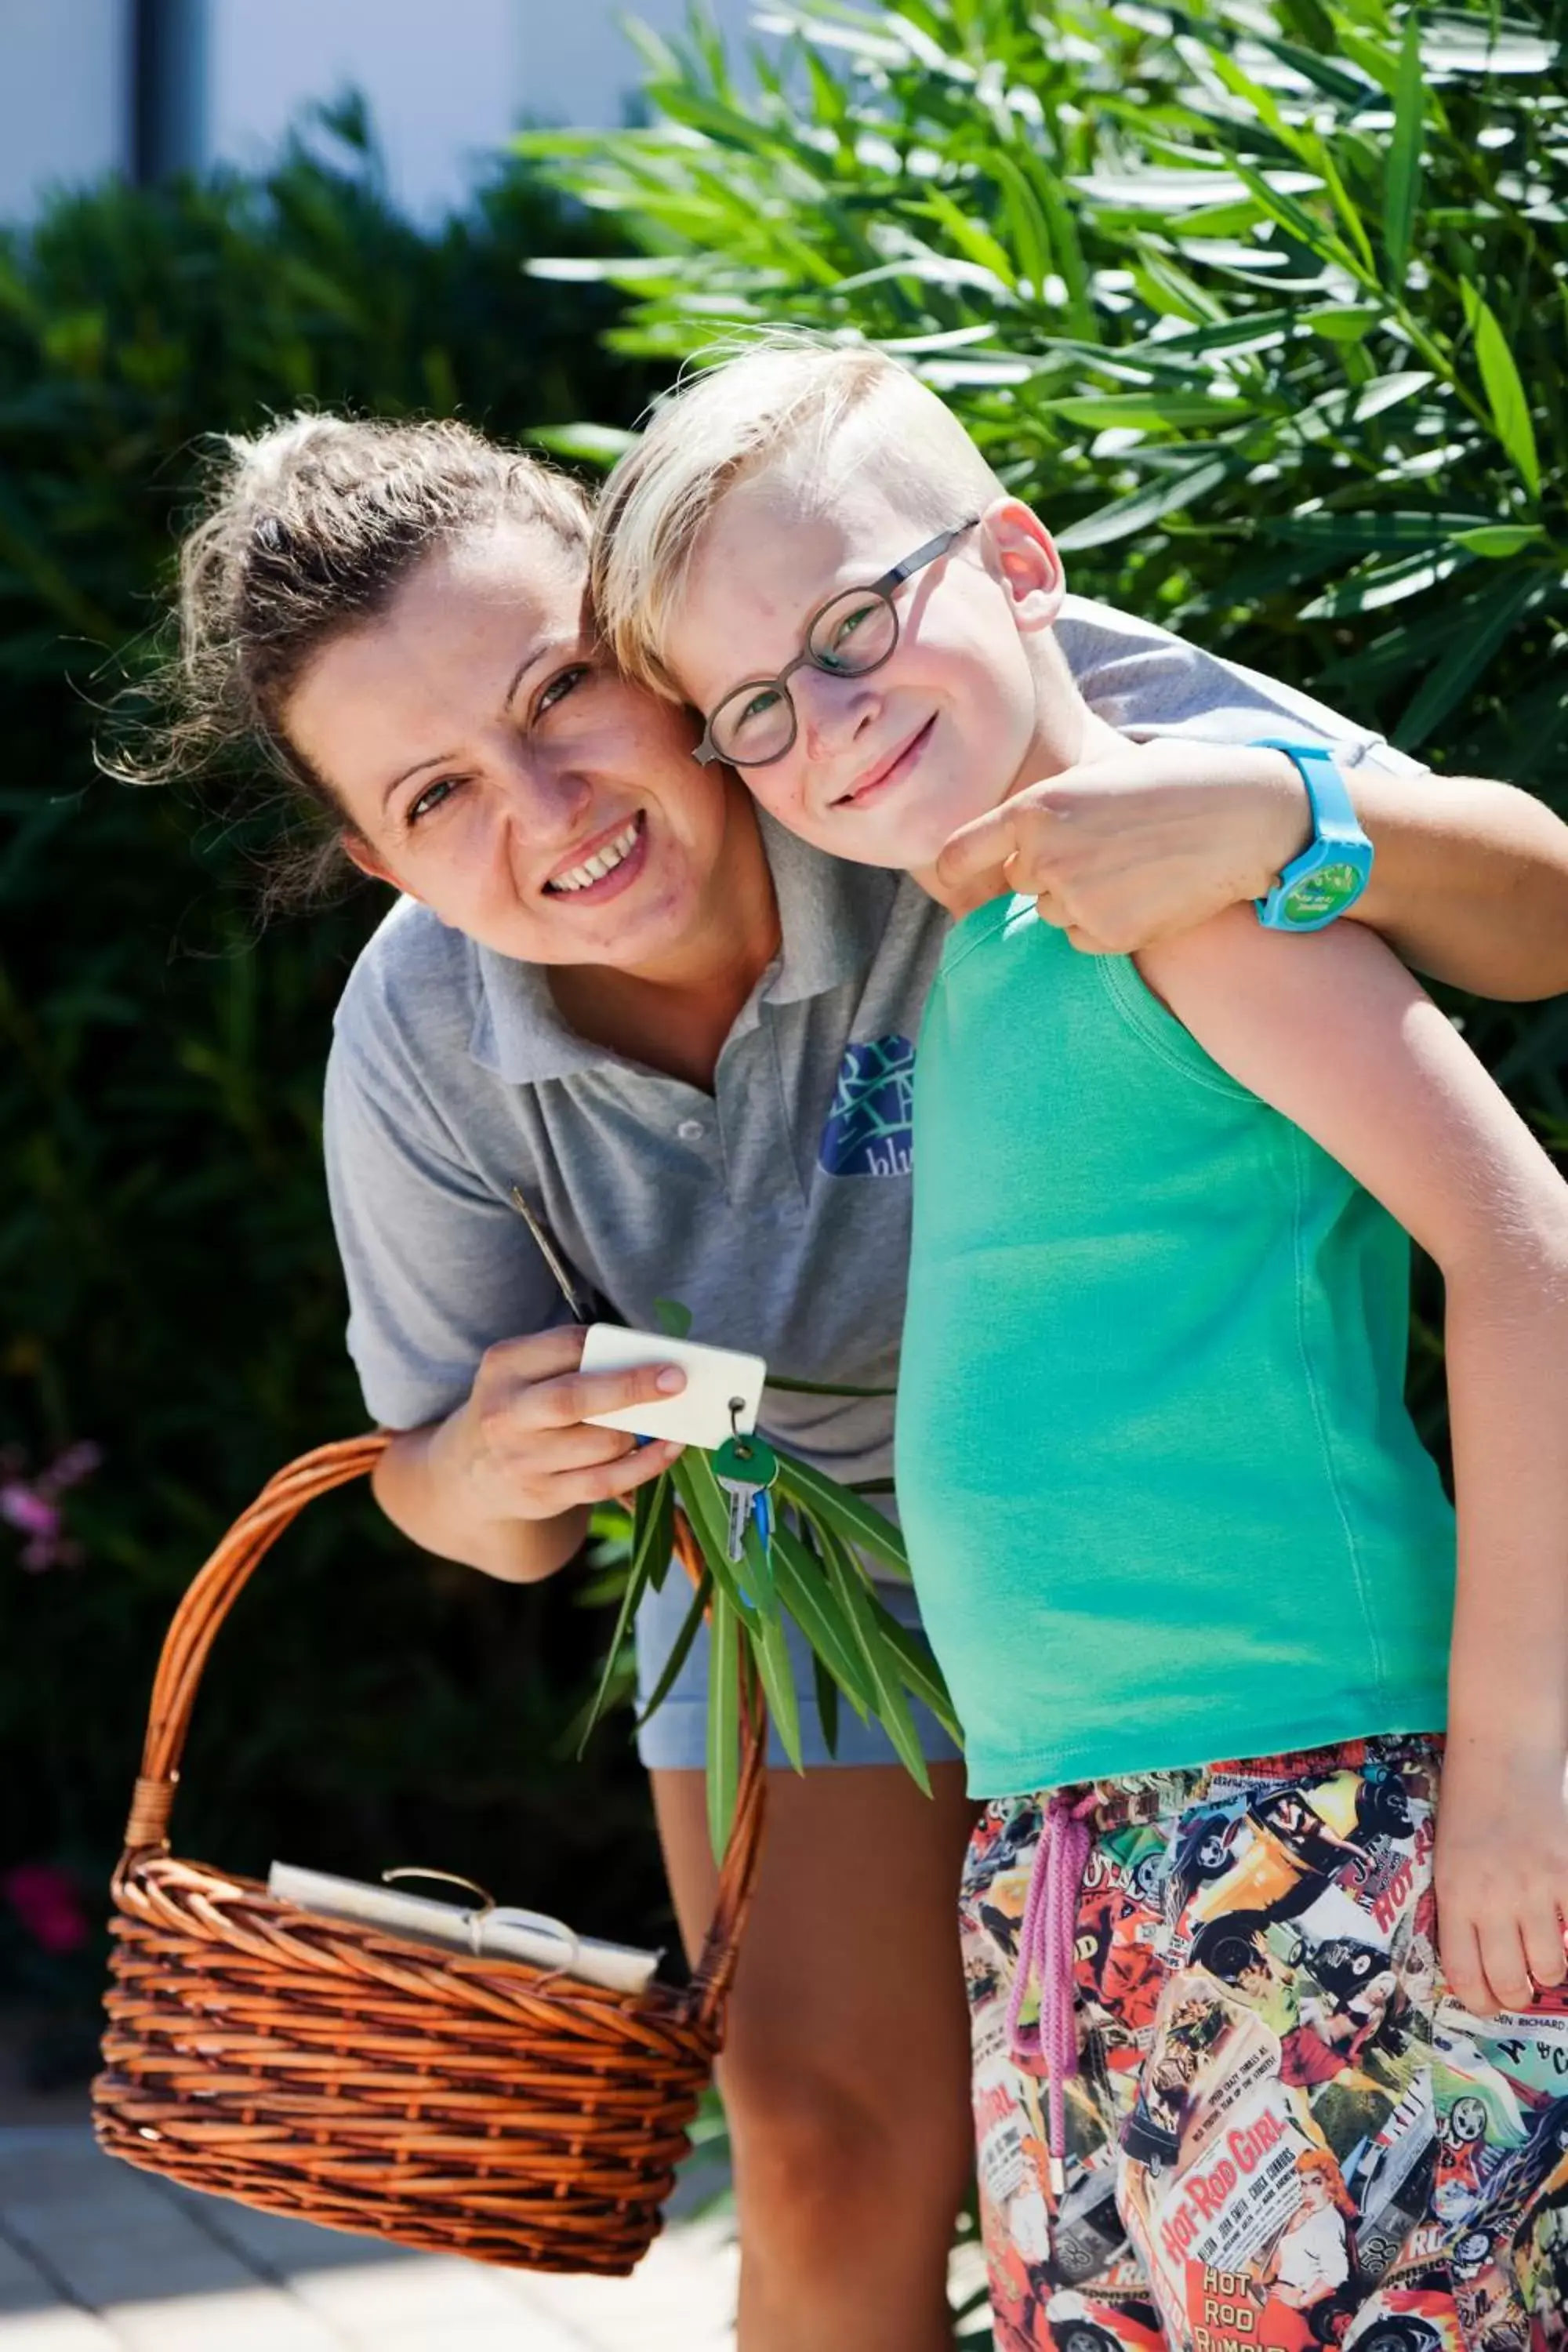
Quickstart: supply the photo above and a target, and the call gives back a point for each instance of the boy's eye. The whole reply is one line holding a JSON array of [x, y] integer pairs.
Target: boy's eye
[[849, 636], [846, 624], [758, 708]]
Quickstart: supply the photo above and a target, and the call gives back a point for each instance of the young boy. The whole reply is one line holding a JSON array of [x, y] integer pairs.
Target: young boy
[[1164, 1505]]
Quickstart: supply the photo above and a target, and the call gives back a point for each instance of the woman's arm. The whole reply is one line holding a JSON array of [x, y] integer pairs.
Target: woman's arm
[[491, 1461], [1334, 1032], [1469, 883]]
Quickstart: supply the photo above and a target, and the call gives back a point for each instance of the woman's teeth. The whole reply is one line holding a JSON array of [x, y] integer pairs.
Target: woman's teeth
[[604, 861]]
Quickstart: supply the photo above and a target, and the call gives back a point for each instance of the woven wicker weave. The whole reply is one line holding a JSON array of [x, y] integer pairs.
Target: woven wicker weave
[[366, 2082]]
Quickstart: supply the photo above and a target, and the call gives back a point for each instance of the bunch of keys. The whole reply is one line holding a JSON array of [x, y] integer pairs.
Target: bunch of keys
[[745, 1467]]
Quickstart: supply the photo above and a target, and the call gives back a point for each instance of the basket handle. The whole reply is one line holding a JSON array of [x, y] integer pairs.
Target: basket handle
[[218, 1585]]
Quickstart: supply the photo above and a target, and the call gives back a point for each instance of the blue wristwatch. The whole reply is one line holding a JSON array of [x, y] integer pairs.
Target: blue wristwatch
[[1335, 866]]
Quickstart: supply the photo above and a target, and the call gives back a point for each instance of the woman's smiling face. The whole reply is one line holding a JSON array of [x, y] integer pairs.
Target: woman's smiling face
[[492, 763]]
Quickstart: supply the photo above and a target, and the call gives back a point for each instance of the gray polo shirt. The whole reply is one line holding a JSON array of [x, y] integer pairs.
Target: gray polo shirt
[[777, 1208]]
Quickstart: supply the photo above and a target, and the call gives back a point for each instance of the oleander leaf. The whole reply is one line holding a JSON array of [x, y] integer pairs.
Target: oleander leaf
[[807, 1594], [637, 1580], [1492, 619], [1504, 391], [1402, 176], [653, 1529], [1139, 508], [681, 1648], [892, 1707], [854, 1521], [770, 1649], [826, 1694], [724, 1751], [921, 1675]]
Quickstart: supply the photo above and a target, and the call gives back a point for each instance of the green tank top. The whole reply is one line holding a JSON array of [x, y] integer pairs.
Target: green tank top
[[1163, 1501]]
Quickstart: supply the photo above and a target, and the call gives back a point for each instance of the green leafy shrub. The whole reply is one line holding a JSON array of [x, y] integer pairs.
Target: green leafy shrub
[[1265, 309], [170, 1288]]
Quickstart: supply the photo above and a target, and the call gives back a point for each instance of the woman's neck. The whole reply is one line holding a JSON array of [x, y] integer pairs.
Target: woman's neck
[[675, 1015]]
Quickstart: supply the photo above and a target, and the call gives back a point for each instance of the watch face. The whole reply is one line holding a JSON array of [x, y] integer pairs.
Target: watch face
[[1317, 895]]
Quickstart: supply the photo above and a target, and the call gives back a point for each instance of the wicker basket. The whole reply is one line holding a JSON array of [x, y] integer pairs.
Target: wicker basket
[[366, 2082]]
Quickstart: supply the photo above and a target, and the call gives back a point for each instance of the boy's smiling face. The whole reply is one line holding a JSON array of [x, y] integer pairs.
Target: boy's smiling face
[[974, 698]]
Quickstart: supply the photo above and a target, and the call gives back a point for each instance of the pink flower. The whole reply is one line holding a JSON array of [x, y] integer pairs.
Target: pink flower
[[44, 1899], [23, 1507], [30, 1505]]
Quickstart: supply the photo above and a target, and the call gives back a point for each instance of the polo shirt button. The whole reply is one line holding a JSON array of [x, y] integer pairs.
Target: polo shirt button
[[691, 1130]]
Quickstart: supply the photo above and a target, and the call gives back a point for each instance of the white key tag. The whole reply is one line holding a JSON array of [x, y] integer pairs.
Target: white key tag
[[723, 1391]]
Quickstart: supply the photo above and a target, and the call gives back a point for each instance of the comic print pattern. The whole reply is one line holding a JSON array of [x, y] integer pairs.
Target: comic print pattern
[[1284, 2134]]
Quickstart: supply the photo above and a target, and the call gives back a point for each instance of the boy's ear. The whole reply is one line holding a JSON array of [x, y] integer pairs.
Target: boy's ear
[[358, 852], [1025, 555]]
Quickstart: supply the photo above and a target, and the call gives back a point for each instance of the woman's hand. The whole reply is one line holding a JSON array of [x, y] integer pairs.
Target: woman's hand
[[523, 1444], [1146, 840], [1501, 1874], [506, 1482]]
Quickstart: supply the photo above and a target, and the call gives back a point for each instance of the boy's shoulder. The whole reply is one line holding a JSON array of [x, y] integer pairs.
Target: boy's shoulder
[[1142, 680]]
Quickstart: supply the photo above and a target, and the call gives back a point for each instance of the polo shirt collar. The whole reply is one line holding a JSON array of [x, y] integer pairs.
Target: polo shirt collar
[[831, 919], [832, 916]]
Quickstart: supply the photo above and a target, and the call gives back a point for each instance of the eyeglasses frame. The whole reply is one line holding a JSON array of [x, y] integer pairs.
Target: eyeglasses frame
[[708, 752]]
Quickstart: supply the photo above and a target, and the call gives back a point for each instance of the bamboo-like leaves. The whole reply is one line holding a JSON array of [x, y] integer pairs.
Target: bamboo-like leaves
[[806, 1593], [1141, 508], [1492, 619], [723, 1756], [680, 1648], [892, 1706], [653, 1515], [1504, 391], [1402, 176], [853, 1520], [653, 1529]]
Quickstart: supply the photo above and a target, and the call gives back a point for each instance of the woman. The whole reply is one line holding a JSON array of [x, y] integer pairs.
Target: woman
[[685, 1038]]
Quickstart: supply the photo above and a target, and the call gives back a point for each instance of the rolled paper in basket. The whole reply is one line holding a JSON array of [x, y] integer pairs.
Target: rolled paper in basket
[[486, 1932]]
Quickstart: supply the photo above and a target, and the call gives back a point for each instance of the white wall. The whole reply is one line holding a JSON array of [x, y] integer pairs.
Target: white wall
[[441, 81], [446, 81], [65, 106], [578, 65]]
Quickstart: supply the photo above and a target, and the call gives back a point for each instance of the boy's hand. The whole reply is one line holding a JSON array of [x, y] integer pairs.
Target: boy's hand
[[1502, 1875], [1144, 841]]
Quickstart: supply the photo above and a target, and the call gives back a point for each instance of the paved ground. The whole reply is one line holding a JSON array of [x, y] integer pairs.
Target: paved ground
[[96, 2257]]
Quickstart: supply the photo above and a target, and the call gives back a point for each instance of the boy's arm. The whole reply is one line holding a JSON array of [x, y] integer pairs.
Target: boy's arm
[[1469, 883], [1334, 1032]]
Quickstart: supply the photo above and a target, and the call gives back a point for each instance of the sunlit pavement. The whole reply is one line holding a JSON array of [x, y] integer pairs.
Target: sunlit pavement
[[95, 2256]]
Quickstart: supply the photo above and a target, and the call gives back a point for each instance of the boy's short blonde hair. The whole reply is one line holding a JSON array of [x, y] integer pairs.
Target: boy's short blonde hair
[[827, 413]]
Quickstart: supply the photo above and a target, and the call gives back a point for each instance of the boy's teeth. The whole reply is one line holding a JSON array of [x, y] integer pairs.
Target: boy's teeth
[[604, 861]]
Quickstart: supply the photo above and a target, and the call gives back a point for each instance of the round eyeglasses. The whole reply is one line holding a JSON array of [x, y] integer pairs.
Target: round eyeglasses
[[854, 633]]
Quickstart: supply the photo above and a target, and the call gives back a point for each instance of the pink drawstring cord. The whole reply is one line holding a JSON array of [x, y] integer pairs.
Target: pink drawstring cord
[[1046, 1936]]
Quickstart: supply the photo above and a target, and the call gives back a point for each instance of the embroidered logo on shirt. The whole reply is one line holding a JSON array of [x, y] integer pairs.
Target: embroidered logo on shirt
[[868, 1128]]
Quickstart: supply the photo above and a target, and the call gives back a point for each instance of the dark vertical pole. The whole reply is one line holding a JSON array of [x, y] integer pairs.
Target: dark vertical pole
[[168, 87]]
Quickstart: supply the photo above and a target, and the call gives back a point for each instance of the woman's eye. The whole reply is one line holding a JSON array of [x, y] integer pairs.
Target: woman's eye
[[430, 798], [760, 706], [557, 689], [845, 628]]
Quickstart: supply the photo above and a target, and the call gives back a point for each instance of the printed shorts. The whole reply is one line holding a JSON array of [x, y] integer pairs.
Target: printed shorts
[[1283, 2132]]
